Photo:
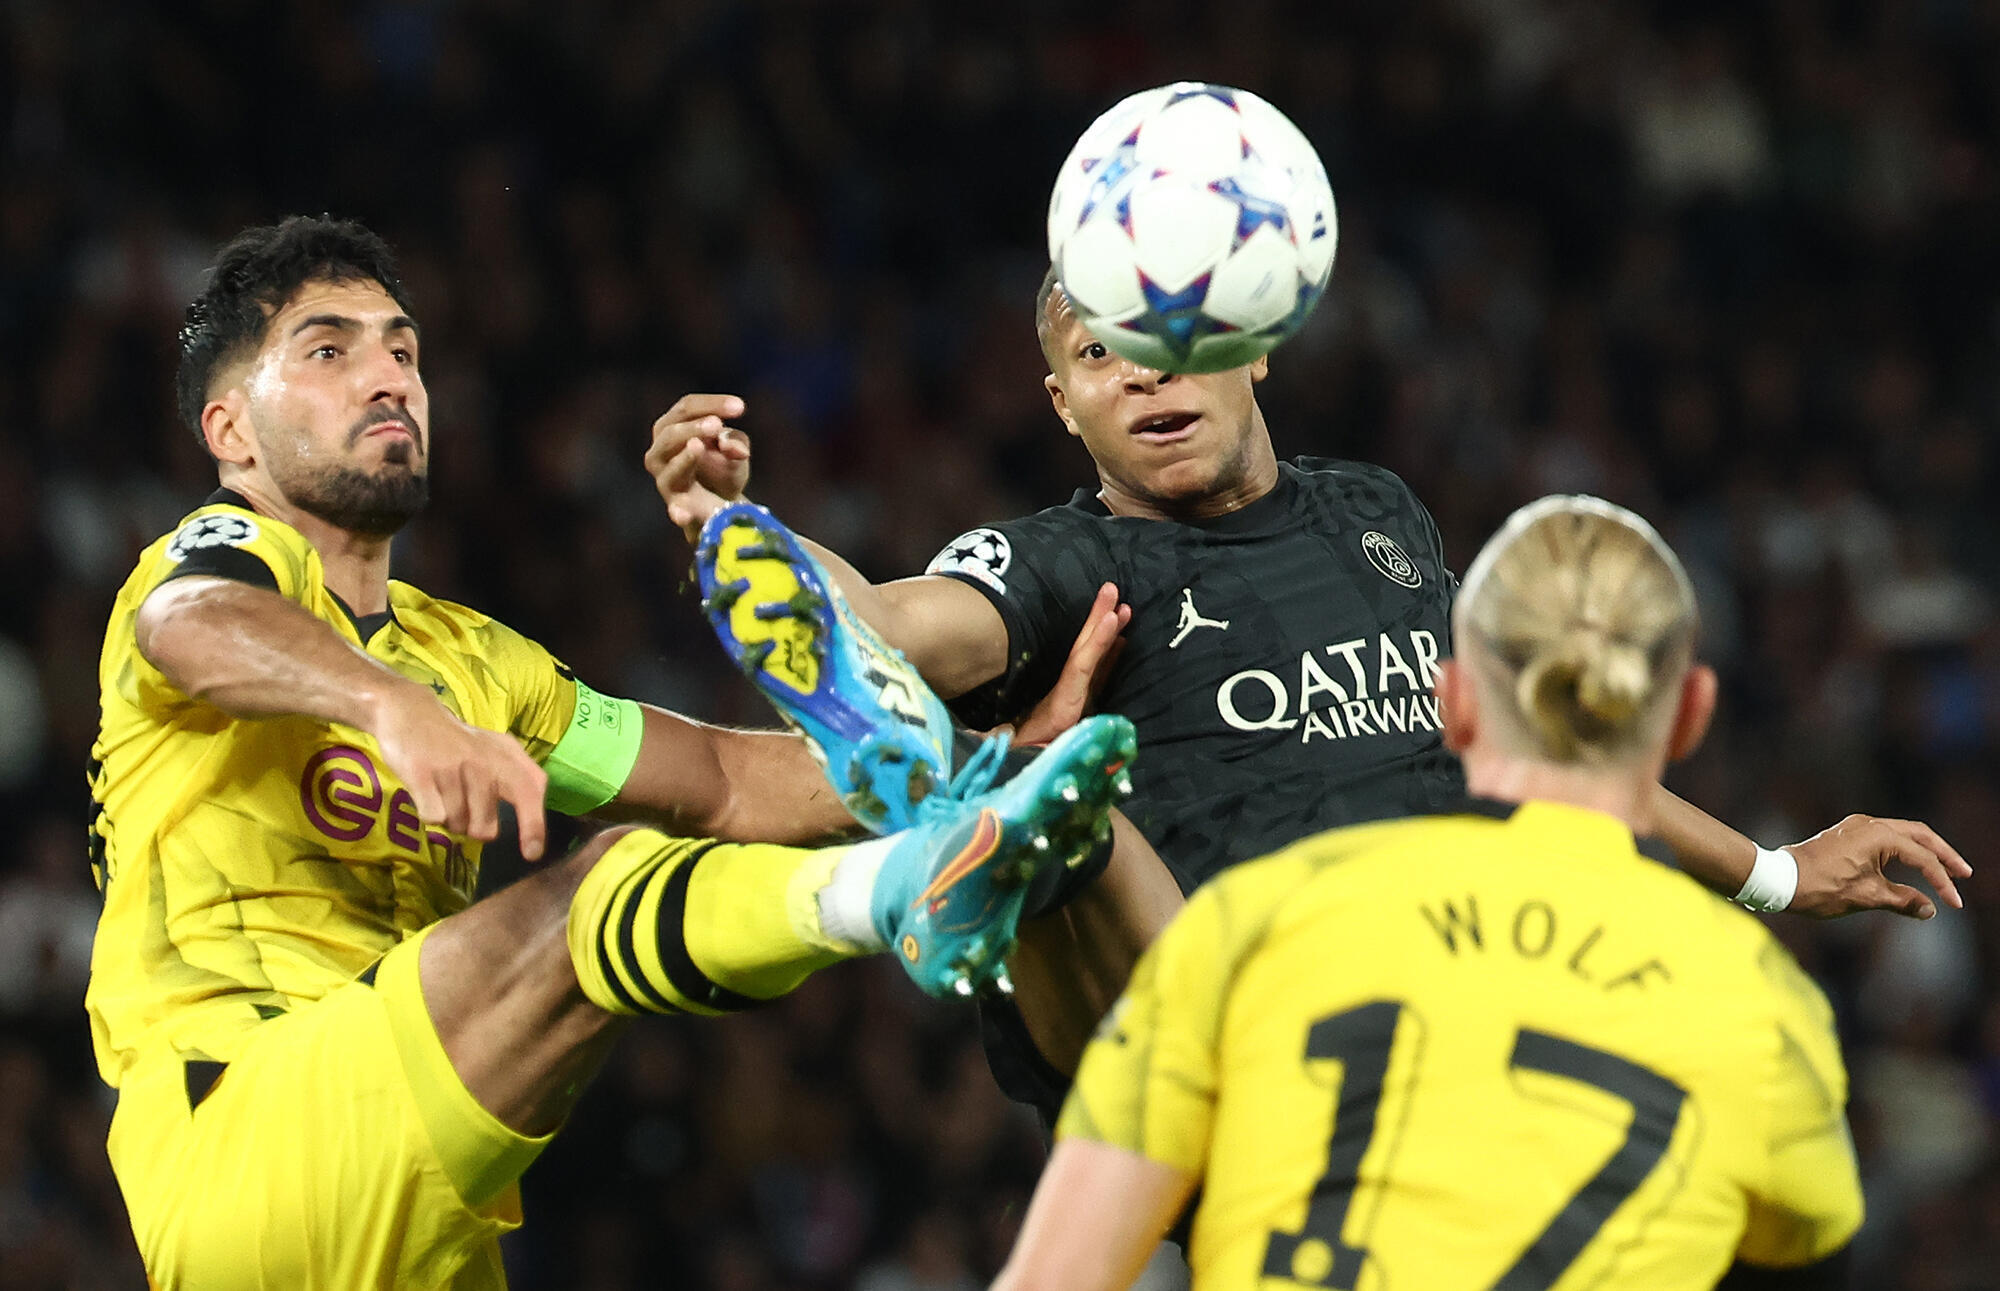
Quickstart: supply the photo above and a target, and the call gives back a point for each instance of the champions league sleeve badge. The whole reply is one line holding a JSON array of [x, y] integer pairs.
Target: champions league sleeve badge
[[983, 554], [1389, 559], [218, 529]]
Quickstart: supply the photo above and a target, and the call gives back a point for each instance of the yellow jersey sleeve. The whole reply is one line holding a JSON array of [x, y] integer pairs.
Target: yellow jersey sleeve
[[227, 540], [1148, 1079], [1809, 1203], [523, 689], [221, 540], [544, 695]]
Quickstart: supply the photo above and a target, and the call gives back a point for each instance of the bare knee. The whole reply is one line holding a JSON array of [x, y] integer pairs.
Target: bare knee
[[585, 855]]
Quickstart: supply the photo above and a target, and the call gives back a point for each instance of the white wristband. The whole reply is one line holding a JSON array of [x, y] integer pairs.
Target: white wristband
[[1773, 881]]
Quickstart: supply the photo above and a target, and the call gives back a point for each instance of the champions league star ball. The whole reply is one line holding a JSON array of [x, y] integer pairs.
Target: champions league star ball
[[1192, 227]]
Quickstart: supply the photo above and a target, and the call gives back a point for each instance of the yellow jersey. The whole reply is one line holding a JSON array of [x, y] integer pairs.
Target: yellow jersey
[[1501, 1049], [248, 866]]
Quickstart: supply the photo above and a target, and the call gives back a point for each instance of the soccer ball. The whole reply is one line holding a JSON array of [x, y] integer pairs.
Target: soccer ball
[[1192, 227]]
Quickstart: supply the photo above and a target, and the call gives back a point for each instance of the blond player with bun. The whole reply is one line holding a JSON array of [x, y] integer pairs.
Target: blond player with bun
[[1509, 1047], [1577, 625]]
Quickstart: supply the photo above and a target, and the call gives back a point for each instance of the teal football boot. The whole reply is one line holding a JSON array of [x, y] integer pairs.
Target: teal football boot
[[874, 725], [948, 898]]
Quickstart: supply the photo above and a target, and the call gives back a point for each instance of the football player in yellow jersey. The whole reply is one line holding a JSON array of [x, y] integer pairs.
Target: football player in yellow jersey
[[1506, 1048], [333, 1066]]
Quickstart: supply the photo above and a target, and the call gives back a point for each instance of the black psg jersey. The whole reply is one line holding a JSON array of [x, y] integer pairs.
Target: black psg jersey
[[1278, 666]]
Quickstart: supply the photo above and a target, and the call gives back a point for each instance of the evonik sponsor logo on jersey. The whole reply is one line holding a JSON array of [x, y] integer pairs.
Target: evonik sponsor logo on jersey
[[342, 795], [1351, 688]]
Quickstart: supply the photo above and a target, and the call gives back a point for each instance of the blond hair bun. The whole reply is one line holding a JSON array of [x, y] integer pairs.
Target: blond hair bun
[[1584, 618], [1583, 693]]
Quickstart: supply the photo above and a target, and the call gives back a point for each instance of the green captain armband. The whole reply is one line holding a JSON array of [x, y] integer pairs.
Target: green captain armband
[[591, 762]]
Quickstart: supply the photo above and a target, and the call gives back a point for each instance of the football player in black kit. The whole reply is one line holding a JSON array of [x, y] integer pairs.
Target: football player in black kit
[[1286, 621]]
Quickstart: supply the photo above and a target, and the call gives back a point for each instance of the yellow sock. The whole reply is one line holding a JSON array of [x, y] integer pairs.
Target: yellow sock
[[679, 925]]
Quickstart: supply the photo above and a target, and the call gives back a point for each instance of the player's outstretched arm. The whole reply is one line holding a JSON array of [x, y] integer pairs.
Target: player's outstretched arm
[[741, 786], [700, 464], [1840, 870], [1098, 1215], [953, 635], [252, 653]]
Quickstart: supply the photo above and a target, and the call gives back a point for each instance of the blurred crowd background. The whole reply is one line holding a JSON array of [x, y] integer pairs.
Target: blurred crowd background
[[1733, 264]]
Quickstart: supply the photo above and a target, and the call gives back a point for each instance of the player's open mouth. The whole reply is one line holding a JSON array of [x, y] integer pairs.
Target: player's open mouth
[[1167, 427]]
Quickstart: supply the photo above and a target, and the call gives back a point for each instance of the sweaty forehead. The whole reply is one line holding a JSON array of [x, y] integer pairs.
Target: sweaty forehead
[[361, 300]]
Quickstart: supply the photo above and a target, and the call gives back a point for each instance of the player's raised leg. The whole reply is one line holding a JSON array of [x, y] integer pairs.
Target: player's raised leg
[[784, 621], [1075, 952], [883, 737], [524, 988]]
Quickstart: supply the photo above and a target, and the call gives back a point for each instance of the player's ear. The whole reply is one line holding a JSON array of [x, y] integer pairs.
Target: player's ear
[[1692, 713], [1260, 369], [1053, 385], [1458, 706], [225, 424]]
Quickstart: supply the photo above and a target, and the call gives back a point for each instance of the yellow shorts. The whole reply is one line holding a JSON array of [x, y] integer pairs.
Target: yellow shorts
[[338, 1150]]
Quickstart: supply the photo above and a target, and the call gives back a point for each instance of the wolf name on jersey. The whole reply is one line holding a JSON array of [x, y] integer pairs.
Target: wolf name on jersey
[[247, 866], [1495, 1049], [1278, 666]]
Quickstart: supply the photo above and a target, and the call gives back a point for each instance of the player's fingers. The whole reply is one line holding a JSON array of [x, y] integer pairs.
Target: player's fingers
[[1898, 846], [482, 804], [673, 437], [1103, 614], [1069, 698], [734, 444], [1109, 662], [1898, 898], [528, 800], [523, 785], [677, 479], [1955, 865], [425, 797], [690, 407], [669, 437], [452, 812], [1077, 686], [670, 442], [683, 470], [1100, 633], [1106, 642]]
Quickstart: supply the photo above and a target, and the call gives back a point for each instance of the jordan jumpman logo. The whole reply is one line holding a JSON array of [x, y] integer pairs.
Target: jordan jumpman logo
[[1191, 619]]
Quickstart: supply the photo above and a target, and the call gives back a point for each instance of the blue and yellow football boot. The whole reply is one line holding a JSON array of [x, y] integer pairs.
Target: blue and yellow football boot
[[948, 898], [883, 737]]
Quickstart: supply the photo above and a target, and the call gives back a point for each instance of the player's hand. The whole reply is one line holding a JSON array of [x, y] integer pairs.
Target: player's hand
[[1841, 869], [1084, 673], [459, 774], [699, 462]]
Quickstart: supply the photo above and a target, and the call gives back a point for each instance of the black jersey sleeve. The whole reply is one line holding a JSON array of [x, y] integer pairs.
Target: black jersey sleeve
[[226, 562], [1041, 572]]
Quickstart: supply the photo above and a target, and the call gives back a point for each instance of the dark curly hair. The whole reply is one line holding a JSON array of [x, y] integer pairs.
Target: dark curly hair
[[253, 277]]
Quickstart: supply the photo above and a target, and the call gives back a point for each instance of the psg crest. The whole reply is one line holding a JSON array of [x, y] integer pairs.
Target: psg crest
[[1389, 559]]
